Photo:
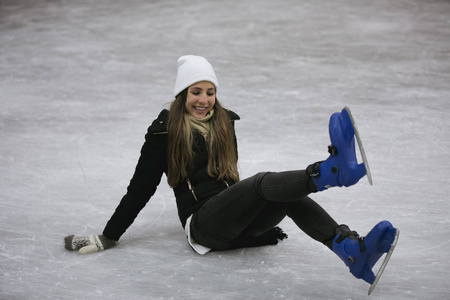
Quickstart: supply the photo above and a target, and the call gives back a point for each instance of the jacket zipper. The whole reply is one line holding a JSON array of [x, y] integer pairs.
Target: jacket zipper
[[191, 188]]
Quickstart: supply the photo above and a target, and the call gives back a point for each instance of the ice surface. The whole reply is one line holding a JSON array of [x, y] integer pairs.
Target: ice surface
[[80, 81]]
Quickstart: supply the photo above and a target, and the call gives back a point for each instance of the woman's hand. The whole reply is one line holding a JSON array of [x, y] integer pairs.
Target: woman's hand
[[88, 244]]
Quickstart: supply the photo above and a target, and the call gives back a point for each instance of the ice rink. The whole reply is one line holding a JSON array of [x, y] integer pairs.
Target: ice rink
[[80, 82]]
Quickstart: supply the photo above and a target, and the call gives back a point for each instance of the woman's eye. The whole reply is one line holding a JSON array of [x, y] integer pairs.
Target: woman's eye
[[198, 93]]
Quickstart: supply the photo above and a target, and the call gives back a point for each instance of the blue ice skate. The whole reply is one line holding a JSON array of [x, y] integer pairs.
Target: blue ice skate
[[361, 254], [341, 168]]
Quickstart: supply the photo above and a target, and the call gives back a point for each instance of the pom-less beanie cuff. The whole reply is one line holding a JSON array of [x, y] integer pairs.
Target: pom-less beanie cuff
[[192, 69]]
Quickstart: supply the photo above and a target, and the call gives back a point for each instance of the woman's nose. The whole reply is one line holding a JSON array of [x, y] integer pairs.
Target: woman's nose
[[203, 98]]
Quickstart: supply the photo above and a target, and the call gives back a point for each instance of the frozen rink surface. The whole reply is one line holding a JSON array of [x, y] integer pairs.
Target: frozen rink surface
[[80, 82]]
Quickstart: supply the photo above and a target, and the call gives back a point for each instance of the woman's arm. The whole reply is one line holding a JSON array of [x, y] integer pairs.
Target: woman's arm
[[151, 165], [147, 176]]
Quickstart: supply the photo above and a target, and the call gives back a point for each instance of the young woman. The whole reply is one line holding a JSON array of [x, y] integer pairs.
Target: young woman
[[194, 144]]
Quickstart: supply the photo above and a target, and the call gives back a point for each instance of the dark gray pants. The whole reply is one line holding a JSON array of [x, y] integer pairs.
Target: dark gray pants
[[257, 204]]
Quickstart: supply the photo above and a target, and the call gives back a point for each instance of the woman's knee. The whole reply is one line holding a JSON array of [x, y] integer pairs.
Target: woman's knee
[[258, 180]]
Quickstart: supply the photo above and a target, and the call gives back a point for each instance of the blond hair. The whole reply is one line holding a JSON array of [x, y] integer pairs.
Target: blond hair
[[222, 152]]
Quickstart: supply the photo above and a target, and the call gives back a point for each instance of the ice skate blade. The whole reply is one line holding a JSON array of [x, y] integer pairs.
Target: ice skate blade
[[360, 145], [385, 262]]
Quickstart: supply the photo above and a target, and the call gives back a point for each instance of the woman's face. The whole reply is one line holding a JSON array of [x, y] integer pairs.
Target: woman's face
[[201, 98]]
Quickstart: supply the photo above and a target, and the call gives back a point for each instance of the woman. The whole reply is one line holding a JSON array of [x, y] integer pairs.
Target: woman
[[194, 144]]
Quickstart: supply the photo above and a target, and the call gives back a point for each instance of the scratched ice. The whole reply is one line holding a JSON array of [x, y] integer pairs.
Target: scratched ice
[[80, 81]]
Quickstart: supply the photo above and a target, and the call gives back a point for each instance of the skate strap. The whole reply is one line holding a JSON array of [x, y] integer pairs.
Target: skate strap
[[361, 244], [332, 150], [313, 170], [343, 234]]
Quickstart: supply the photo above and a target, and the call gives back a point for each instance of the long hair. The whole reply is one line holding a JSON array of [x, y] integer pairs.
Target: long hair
[[222, 153]]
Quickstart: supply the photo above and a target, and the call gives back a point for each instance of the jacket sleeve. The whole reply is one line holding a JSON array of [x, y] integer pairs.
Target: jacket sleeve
[[147, 176]]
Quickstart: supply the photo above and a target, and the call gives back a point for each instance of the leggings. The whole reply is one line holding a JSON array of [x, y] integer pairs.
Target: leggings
[[257, 204]]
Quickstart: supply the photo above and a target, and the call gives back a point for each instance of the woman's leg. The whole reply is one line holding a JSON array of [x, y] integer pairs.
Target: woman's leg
[[223, 217], [262, 230], [250, 207], [309, 216], [312, 219]]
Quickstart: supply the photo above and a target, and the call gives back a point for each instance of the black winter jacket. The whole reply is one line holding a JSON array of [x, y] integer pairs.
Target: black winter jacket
[[149, 170]]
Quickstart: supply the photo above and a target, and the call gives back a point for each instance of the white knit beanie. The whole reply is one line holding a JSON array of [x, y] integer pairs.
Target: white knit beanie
[[192, 69]]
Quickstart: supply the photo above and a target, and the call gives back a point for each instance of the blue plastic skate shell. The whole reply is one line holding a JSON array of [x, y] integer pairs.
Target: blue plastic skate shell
[[341, 168], [379, 241]]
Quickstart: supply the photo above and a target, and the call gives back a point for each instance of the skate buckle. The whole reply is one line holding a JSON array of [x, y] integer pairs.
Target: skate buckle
[[314, 169], [332, 150]]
